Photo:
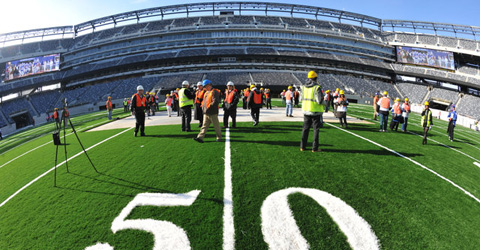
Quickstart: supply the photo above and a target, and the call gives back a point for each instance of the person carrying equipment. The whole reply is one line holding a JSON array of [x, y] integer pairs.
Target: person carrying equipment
[[246, 93], [230, 105], [376, 98], [452, 120], [313, 108], [289, 102], [169, 104], [255, 103], [125, 105], [341, 108], [427, 122], [383, 110], [405, 113], [109, 107], [185, 97], [210, 104], [397, 117], [138, 106], [268, 98], [198, 113]]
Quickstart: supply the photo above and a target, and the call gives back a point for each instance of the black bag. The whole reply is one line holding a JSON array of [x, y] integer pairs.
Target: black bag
[[56, 138]]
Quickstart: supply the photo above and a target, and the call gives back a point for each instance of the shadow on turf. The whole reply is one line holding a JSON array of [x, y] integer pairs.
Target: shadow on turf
[[373, 152]]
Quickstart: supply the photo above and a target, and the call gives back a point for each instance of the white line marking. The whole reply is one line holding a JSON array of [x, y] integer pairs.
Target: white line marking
[[413, 161], [477, 164], [58, 165], [31, 150], [228, 227], [281, 231]]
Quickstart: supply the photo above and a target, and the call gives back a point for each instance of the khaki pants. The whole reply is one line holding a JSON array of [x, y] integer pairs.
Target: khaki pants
[[207, 120]]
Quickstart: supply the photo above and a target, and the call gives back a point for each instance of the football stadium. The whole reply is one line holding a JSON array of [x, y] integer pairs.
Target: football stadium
[[78, 170]]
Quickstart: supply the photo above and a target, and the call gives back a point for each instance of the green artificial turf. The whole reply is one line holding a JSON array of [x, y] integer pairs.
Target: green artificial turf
[[406, 206]]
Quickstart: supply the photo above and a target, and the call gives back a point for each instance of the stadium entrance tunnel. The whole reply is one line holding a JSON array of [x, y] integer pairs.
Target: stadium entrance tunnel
[[23, 119], [440, 105]]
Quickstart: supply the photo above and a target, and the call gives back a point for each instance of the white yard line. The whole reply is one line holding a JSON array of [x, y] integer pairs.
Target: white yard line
[[228, 227], [409, 159], [476, 164], [58, 165]]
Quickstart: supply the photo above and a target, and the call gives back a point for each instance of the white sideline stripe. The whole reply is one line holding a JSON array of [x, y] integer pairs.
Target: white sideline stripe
[[31, 150], [413, 161], [58, 165], [228, 227], [477, 164]]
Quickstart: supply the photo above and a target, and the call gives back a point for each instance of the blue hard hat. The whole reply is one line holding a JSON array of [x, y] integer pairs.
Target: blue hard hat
[[377, 93], [206, 82]]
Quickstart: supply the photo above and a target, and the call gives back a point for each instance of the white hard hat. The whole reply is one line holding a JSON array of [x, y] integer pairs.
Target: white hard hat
[[139, 87], [199, 83], [185, 83], [230, 83]]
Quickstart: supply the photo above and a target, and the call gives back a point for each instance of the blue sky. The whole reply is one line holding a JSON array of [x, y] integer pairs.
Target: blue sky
[[32, 14]]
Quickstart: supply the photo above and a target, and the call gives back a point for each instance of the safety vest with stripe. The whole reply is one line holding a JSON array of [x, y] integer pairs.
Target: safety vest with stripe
[[207, 101], [109, 105], [257, 98], [267, 95], [183, 99], [428, 116], [140, 102], [199, 96], [309, 97], [229, 96], [396, 109], [384, 104], [406, 110], [246, 93]]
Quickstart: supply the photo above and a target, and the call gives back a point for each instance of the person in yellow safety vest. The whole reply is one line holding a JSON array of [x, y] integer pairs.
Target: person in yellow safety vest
[[427, 121], [125, 105], [185, 100], [383, 110], [396, 115], [289, 102], [255, 103], [405, 113], [376, 98], [109, 107], [313, 108], [341, 107], [198, 113], [169, 104]]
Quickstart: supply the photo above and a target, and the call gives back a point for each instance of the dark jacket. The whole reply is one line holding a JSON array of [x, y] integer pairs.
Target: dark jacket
[[213, 108], [233, 105], [251, 103], [133, 105]]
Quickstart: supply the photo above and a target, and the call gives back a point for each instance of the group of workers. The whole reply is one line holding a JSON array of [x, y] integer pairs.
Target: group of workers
[[206, 101]]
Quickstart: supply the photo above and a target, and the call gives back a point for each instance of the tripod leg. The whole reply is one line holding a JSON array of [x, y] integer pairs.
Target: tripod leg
[[65, 144], [55, 172], [84, 151]]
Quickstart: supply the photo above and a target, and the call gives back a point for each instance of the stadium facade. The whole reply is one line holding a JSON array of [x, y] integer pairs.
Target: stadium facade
[[267, 43]]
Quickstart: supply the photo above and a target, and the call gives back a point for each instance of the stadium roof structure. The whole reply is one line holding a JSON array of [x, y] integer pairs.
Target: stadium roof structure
[[214, 7], [36, 33], [436, 27]]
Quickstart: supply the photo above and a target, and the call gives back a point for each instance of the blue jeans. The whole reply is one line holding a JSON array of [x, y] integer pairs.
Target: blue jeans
[[109, 115], [383, 121], [405, 123], [289, 109]]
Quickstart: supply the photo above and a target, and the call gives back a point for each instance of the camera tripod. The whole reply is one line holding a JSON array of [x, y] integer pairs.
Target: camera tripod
[[63, 122]]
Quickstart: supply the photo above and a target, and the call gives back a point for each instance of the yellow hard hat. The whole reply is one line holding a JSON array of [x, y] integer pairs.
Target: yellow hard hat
[[56, 108], [177, 89], [290, 87], [406, 99], [153, 93], [147, 92], [252, 86], [261, 88], [397, 100], [284, 90], [342, 92], [312, 74], [327, 91], [385, 93], [109, 97], [168, 95], [427, 104]]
